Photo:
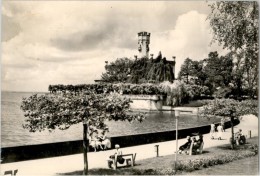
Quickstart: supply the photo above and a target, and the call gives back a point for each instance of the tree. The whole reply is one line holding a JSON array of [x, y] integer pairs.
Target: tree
[[238, 76], [139, 70], [235, 25], [218, 70], [192, 69], [229, 108], [61, 110], [199, 72], [213, 72], [117, 71], [245, 76], [186, 70], [160, 71]]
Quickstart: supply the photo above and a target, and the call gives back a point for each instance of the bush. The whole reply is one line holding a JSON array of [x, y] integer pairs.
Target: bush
[[223, 108], [196, 164], [253, 148]]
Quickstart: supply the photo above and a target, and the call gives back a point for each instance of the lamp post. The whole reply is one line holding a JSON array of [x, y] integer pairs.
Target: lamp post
[[177, 114]]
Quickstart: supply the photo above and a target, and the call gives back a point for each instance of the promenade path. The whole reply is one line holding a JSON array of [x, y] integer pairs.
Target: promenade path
[[70, 163]]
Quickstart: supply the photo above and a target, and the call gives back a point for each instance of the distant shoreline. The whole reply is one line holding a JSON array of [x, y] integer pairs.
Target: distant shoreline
[[10, 91]]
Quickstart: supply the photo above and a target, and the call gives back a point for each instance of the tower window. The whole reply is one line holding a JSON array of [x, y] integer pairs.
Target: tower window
[[140, 48]]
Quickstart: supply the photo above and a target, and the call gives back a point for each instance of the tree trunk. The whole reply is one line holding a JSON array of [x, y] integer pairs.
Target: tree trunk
[[232, 133], [85, 149]]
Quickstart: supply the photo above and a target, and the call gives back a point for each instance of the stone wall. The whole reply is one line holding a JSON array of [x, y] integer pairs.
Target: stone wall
[[29, 152], [146, 102]]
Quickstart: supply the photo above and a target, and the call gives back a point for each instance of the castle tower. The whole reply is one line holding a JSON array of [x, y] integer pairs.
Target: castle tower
[[173, 66], [143, 44]]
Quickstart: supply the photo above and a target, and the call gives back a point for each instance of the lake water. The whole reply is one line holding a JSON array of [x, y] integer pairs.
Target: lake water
[[13, 134]]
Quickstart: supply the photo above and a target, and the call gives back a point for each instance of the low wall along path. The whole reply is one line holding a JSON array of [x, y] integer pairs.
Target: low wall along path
[[22, 153]]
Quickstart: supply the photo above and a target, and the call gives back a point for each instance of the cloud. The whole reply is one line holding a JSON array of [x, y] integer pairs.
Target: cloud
[[105, 37], [68, 42], [10, 26], [191, 38]]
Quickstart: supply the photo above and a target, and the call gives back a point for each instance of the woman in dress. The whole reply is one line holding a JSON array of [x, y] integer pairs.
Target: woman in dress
[[220, 131], [212, 130], [104, 140], [222, 122], [94, 141]]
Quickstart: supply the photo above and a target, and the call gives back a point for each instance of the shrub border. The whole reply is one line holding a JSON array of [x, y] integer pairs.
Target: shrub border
[[197, 164]]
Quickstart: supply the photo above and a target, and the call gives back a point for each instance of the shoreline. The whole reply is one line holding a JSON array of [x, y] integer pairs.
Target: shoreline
[[13, 117], [22, 137]]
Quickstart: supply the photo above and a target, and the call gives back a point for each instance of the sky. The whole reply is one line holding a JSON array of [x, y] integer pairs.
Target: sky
[[68, 42]]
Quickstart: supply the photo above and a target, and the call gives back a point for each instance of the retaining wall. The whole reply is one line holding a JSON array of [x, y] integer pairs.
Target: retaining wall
[[146, 102], [28, 152]]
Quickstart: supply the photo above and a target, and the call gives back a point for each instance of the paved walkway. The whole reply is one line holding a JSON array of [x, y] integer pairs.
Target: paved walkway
[[70, 163]]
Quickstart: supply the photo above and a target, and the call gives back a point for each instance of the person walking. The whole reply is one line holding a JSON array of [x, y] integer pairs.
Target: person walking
[[212, 130], [222, 122], [220, 131]]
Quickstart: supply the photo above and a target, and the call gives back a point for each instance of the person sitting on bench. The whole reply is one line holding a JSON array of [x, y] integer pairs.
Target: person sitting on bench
[[104, 140], [118, 154], [94, 141], [240, 138], [197, 143], [185, 146]]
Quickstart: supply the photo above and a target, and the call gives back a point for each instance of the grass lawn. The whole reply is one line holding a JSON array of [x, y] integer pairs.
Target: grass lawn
[[149, 166]]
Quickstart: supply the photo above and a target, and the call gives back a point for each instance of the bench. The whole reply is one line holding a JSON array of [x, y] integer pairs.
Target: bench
[[129, 161], [198, 151]]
